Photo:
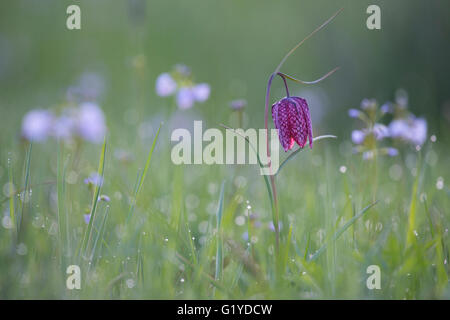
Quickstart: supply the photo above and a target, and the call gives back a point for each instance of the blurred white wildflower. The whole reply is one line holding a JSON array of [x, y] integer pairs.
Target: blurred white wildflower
[[238, 104], [63, 127], [411, 129], [94, 179], [354, 113], [89, 87], [272, 227], [179, 83], [37, 124], [358, 136], [104, 198], [185, 98], [91, 122], [165, 85], [380, 131], [201, 92]]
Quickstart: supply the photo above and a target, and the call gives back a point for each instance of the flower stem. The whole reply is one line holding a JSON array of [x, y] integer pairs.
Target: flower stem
[[285, 83]]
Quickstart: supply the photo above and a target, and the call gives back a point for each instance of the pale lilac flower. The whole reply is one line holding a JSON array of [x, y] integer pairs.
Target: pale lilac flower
[[392, 152], [36, 125], [90, 87], [386, 108], [201, 92], [354, 113], [413, 130], [368, 155], [358, 136], [419, 135], [368, 103], [380, 131], [401, 98], [165, 85], [238, 104], [91, 122], [183, 70], [272, 227], [104, 197], [94, 179], [63, 127], [87, 218], [185, 98]]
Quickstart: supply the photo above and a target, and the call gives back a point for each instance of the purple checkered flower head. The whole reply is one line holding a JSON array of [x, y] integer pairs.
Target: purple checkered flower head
[[293, 121]]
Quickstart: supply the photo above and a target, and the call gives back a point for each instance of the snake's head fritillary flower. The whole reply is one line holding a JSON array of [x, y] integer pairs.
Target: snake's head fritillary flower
[[292, 119], [36, 125]]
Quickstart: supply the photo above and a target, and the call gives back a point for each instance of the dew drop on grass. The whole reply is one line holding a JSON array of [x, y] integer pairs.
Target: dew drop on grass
[[22, 249], [7, 222], [130, 283], [440, 183]]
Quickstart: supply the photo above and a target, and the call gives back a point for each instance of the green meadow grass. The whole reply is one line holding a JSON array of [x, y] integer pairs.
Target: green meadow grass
[[170, 231]]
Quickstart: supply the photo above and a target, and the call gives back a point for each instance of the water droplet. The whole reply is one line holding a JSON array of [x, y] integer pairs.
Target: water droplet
[[130, 283]]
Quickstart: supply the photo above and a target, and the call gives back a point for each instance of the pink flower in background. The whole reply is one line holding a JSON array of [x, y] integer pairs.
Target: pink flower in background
[[91, 122], [179, 83], [185, 98], [411, 129], [165, 85], [380, 131], [90, 86], [201, 92], [63, 127], [37, 125], [358, 136], [94, 179], [238, 104], [292, 119]]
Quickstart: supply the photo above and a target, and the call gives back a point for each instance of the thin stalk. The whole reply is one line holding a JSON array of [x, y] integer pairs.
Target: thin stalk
[[266, 121]]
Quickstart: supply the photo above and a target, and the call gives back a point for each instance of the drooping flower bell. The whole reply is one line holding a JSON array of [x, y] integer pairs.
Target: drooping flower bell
[[292, 119]]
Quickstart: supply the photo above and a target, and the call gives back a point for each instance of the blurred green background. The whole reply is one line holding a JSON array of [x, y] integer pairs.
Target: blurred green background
[[234, 46]]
